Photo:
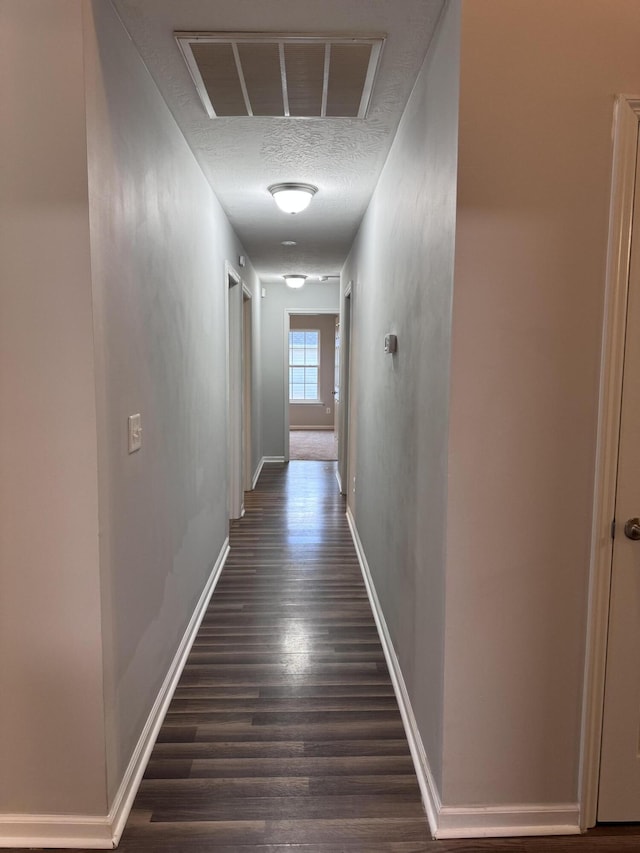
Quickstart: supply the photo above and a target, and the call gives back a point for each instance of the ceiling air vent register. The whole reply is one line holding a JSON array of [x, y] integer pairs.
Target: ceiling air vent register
[[293, 76]]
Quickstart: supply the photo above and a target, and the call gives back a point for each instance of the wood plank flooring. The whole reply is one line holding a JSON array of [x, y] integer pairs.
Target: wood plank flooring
[[284, 732], [284, 729]]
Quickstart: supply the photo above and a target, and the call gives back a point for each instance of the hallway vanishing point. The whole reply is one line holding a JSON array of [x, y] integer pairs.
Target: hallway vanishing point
[[284, 735]]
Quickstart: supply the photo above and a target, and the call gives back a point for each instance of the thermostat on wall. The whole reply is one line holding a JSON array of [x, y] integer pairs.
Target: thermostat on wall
[[390, 343]]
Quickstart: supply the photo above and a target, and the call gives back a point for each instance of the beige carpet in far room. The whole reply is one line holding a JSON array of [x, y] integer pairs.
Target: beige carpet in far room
[[320, 445]]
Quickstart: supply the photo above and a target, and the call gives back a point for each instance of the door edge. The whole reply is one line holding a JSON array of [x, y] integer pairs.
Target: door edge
[[625, 143]]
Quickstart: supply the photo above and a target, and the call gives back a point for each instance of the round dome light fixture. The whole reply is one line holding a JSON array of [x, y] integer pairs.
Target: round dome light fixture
[[293, 198], [295, 281], [288, 243]]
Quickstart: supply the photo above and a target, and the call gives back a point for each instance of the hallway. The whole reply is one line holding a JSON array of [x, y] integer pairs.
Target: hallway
[[143, 335], [284, 728]]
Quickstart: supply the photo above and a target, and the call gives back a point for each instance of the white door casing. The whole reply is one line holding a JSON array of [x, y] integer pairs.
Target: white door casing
[[619, 792], [345, 367], [234, 297], [288, 314], [247, 382], [593, 785]]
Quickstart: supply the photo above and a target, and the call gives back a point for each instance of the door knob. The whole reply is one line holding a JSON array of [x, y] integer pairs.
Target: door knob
[[632, 528]]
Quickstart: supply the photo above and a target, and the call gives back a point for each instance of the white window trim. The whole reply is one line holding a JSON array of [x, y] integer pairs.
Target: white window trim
[[317, 401]]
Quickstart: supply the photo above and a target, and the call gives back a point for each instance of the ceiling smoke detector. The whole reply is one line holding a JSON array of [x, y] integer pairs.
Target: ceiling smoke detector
[[282, 74]]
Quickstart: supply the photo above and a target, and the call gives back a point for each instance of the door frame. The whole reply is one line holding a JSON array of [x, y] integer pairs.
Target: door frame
[[625, 143], [288, 313], [247, 382], [346, 328], [234, 309]]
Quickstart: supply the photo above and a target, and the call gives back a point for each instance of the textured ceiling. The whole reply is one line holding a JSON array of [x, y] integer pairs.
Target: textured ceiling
[[241, 156]]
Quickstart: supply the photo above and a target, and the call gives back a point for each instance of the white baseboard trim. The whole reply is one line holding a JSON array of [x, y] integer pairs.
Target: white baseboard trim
[[256, 476], [428, 787], [267, 459], [133, 776], [94, 833], [103, 832], [312, 428], [458, 822], [501, 821]]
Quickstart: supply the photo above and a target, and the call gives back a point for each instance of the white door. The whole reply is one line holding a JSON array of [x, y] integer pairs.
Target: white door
[[619, 788]]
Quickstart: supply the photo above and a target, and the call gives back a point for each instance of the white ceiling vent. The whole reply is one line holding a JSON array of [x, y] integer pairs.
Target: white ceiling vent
[[269, 74]]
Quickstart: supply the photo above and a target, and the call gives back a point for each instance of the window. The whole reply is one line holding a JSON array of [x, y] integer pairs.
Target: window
[[304, 365]]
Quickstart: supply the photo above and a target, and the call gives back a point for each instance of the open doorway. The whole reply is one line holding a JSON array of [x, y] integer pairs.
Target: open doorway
[[239, 370], [311, 359], [247, 382], [343, 360]]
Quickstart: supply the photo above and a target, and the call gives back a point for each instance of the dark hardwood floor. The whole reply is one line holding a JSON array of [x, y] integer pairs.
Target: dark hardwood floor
[[284, 733], [284, 729]]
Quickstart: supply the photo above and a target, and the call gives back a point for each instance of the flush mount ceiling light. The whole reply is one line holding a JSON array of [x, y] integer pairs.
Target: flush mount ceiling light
[[293, 198], [295, 281], [288, 243]]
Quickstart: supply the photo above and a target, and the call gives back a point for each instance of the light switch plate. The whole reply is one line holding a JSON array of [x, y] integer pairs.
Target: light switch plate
[[390, 344], [135, 433]]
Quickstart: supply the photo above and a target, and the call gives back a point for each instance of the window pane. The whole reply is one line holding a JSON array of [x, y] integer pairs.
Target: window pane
[[304, 360]]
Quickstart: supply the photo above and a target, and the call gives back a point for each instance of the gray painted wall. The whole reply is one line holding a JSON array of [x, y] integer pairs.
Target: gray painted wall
[[310, 414], [159, 241], [314, 296], [531, 246], [51, 710], [112, 302], [495, 668], [401, 266]]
